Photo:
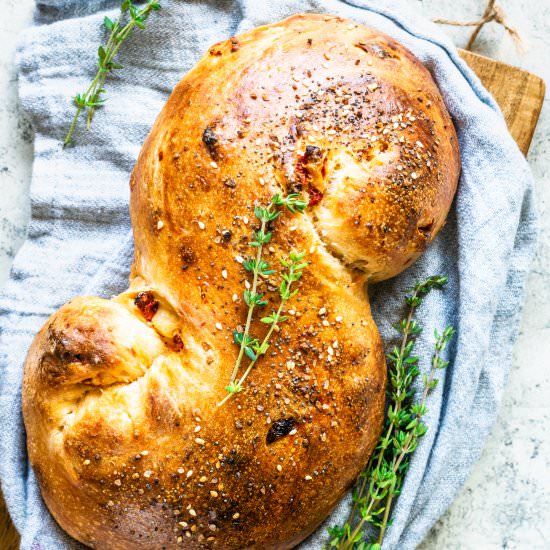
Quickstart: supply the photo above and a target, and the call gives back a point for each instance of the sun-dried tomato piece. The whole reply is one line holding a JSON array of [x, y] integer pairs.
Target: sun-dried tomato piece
[[315, 196], [279, 429], [177, 342], [146, 303]]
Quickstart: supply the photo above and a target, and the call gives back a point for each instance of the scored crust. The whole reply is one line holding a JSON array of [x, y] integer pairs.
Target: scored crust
[[119, 396]]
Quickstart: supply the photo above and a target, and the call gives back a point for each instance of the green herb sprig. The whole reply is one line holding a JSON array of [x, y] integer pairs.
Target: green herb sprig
[[382, 479], [293, 266], [91, 99]]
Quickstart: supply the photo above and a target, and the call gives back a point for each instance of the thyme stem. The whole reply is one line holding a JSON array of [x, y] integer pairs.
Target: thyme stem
[[91, 98], [248, 345], [383, 477], [250, 309]]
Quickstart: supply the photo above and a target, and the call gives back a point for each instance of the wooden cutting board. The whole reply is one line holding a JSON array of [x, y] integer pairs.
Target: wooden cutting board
[[520, 95]]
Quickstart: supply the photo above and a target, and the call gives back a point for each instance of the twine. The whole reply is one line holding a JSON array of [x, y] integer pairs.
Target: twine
[[493, 12]]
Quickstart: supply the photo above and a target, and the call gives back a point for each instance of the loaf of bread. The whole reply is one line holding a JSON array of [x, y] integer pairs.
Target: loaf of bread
[[120, 396]]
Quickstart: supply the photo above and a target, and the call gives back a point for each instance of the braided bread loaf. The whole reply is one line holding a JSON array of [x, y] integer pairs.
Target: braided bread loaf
[[119, 396]]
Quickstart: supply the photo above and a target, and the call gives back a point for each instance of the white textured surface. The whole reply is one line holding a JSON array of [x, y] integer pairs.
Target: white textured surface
[[506, 502]]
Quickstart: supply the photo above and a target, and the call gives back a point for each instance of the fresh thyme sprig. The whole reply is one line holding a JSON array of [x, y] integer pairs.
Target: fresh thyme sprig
[[91, 99], [248, 345], [383, 477]]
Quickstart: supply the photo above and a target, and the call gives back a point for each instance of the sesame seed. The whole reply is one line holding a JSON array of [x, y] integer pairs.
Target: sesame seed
[[160, 224], [236, 515], [214, 494], [245, 220], [235, 297], [144, 453], [308, 478], [118, 483], [214, 164], [203, 479], [224, 273], [219, 326], [326, 323], [199, 441], [189, 473], [192, 512], [197, 429], [147, 473], [262, 181], [279, 468], [201, 225], [414, 175], [339, 319], [183, 524], [180, 470], [293, 432], [323, 311], [239, 259], [86, 462]]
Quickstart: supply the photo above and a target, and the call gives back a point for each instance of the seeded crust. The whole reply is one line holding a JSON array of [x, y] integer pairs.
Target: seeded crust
[[119, 396]]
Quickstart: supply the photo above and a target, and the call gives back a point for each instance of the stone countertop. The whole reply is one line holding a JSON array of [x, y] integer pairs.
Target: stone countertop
[[506, 501]]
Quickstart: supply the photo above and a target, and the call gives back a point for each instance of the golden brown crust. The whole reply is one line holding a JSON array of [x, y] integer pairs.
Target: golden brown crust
[[119, 401]]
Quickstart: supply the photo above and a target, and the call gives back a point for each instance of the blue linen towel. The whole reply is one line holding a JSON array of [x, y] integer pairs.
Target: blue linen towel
[[79, 240]]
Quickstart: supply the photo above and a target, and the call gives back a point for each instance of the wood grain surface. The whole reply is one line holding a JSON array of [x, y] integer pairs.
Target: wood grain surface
[[520, 95]]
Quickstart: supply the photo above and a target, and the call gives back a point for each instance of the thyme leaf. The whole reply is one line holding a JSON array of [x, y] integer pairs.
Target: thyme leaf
[[293, 265], [381, 481], [91, 99]]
